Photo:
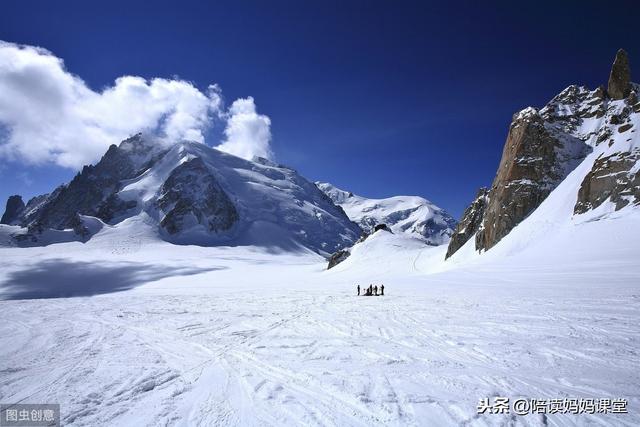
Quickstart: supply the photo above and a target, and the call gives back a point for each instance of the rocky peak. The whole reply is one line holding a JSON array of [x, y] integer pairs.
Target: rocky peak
[[470, 222], [15, 207], [544, 146], [620, 78], [537, 156]]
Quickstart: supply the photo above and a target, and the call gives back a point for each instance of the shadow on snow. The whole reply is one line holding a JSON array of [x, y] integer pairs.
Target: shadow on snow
[[59, 278]]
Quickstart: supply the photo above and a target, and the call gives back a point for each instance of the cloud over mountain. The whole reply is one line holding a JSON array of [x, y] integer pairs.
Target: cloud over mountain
[[49, 115], [248, 133]]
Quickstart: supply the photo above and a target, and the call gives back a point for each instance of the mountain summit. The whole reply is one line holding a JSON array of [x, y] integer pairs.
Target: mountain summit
[[620, 78], [186, 193], [411, 215], [589, 136]]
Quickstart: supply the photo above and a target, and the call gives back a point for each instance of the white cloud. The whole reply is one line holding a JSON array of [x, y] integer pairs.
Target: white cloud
[[51, 115], [248, 133]]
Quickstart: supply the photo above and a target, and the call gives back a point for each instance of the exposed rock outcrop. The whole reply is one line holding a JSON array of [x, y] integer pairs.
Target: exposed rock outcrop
[[192, 196], [620, 78], [544, 146], [470, 222], [615, 174], [337, 258], [536, 158], [383, 227], [15, 207], [611, 178]]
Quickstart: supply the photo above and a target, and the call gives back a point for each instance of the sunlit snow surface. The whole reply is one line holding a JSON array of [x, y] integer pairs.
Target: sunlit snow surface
[[183, 335]]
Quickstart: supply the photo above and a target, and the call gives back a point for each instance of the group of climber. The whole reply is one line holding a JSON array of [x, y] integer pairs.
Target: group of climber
[[372, 290]]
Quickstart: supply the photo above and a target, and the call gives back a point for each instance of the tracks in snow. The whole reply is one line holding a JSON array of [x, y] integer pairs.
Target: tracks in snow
[[301, 358]]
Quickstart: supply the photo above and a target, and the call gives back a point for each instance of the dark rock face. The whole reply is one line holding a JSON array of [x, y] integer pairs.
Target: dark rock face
[[544, 146], [85, 193], [113, 206], [470, 222], [534, 161], [191, 196], [610, 178], [92, 191], [620, 78], [15, 207], [337, 258], [614, 175], [539, 153], [383, 227], [79, 228]]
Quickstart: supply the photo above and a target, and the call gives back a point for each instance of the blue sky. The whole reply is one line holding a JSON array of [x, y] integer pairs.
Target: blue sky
[[381, 98]]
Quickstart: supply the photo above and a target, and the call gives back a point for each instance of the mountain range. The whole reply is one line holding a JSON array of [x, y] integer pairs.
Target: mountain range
[[187, 193], [411, 215], [583, 140]]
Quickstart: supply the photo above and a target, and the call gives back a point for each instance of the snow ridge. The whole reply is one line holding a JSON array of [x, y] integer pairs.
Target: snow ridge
[[411, 215]]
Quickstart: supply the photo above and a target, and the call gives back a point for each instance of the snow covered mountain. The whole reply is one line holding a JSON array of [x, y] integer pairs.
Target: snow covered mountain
[[411, 215], [584, 141], [186, 193]]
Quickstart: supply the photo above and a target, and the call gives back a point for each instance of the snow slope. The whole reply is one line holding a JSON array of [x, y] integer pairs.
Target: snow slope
[[411, 215], [277, 207], [128, 329], [156, 334]]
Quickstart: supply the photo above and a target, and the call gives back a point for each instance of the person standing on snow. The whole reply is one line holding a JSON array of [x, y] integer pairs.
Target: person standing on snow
[[375, 290], [382, 290], [358, 290]]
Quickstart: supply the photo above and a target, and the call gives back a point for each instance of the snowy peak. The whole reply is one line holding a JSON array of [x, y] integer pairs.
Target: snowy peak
[[189, 193], [337, 195], [411, 215]]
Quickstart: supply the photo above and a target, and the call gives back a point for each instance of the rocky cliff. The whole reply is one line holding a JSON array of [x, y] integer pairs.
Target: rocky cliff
[[470, 222], [13, 211], [544, 146], [537, 156]]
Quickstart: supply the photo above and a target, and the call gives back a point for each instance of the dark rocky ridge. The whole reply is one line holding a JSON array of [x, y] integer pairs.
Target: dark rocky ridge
[[536, 158], [189, 193], [470, 222], [91, 192], [15, 207]]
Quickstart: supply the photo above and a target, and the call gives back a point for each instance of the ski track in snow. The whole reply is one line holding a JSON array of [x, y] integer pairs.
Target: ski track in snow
[[197, 336], [302, 357]]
